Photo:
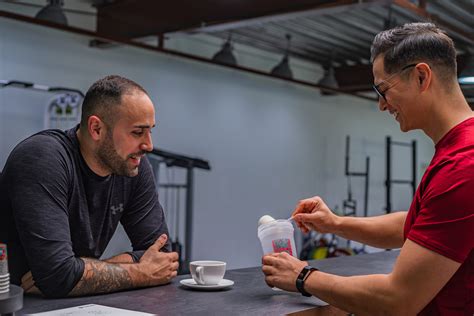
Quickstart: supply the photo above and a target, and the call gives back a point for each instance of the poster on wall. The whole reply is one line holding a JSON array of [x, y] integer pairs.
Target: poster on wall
[[63, 111]]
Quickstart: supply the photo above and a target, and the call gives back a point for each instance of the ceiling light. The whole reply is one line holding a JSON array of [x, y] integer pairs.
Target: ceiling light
[[53, 12], [225, 55], [328, 80], [467, 74], [283, 68]]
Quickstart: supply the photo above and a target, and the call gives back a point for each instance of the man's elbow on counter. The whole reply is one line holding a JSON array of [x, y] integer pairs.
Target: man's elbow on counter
[[60, 282], [55, 289]]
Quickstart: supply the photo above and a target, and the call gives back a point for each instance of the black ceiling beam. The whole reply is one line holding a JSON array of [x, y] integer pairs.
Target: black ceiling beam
[[137, 18], [333, 8], [129, 42]]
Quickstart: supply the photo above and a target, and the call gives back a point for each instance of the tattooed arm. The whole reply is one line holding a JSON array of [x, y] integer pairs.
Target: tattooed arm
[[154, 268], [121, 258], [102, 277]]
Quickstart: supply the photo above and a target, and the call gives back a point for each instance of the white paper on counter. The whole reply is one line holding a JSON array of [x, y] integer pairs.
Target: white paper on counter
[[91, 309]]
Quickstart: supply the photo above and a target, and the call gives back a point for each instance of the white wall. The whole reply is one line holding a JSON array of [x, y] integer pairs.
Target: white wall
[[269, 142]]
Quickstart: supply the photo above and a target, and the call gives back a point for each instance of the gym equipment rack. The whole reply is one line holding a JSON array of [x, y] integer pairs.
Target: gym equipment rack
[[389, 181], [189, 164]]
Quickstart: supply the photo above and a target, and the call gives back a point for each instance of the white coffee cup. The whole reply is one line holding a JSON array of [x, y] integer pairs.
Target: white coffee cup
[[207, 272]]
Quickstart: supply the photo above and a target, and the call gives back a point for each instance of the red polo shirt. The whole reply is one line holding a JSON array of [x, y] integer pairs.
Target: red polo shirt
[[441, 217]]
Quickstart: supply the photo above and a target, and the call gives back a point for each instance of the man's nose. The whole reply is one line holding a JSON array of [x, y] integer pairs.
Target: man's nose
[[147, 144]]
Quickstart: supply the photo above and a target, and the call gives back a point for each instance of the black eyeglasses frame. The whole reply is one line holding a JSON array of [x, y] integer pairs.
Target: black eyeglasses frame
[[376, 87]]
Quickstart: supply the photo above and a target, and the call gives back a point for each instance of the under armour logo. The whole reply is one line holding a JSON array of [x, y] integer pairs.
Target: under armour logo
[[114, 209]]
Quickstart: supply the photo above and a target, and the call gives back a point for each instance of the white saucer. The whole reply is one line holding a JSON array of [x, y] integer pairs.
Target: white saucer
[[223, 284]]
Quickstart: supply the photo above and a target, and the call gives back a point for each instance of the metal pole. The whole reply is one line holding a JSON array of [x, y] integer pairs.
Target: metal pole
[[347, 154], [413, 144], [388, 175], [189, 218], [366, 196]]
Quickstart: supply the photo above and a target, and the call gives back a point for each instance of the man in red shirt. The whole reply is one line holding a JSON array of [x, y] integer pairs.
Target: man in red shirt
[[414, 69]]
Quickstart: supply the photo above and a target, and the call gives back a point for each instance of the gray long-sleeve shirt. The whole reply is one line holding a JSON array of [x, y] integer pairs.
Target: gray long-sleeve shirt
[[54, 209]]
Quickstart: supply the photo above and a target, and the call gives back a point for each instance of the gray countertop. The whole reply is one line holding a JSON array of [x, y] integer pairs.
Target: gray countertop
[[249, 295]]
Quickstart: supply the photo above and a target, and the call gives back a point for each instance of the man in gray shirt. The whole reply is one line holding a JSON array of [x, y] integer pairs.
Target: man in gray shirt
[[63, 193]]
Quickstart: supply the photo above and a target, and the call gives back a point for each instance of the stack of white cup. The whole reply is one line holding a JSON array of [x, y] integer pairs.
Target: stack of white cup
[[4, 275]]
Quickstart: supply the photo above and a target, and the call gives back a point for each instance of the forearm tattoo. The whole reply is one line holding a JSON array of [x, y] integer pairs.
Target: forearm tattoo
[[101, 277]]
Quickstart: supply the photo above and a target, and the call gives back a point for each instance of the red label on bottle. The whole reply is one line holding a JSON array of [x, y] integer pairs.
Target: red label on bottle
[[282, 245], [3, 251]]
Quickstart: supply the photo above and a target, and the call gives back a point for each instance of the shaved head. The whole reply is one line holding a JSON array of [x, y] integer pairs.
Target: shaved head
[[104, 98]]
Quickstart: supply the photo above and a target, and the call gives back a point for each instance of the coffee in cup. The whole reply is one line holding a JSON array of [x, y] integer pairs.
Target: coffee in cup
[[207, 272]]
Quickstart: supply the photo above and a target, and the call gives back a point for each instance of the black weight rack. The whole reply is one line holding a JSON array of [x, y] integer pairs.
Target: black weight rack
[[349, 203], [172, 191], [389, 181]]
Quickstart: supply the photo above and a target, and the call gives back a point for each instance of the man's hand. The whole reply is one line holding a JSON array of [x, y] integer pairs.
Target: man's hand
[[281, 270], [158, 267], [28, 284], [313, 214]]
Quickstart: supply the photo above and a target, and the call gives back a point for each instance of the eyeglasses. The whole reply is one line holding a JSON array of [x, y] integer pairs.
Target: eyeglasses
[[377, 87]]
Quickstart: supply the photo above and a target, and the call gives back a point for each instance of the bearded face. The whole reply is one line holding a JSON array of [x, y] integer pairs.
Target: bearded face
[[109, 158], [125, 137]]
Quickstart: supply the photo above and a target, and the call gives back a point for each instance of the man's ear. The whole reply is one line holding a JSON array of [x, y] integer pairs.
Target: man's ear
[[95, 127], [424, 76]]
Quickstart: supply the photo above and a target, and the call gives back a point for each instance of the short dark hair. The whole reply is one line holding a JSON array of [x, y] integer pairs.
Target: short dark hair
[[416, 42], [105, 95]]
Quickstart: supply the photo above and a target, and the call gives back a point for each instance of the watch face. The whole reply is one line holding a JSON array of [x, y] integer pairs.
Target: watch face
[[303, 273], [307, 271]]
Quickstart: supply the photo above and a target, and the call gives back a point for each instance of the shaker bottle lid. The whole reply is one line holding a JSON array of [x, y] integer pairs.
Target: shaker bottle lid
[[265, 219]]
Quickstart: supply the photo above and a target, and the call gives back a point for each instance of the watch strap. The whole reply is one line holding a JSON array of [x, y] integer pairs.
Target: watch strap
[[304, 274]]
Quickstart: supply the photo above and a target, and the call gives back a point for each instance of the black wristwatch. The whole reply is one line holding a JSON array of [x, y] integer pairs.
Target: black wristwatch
[[304, 274]]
